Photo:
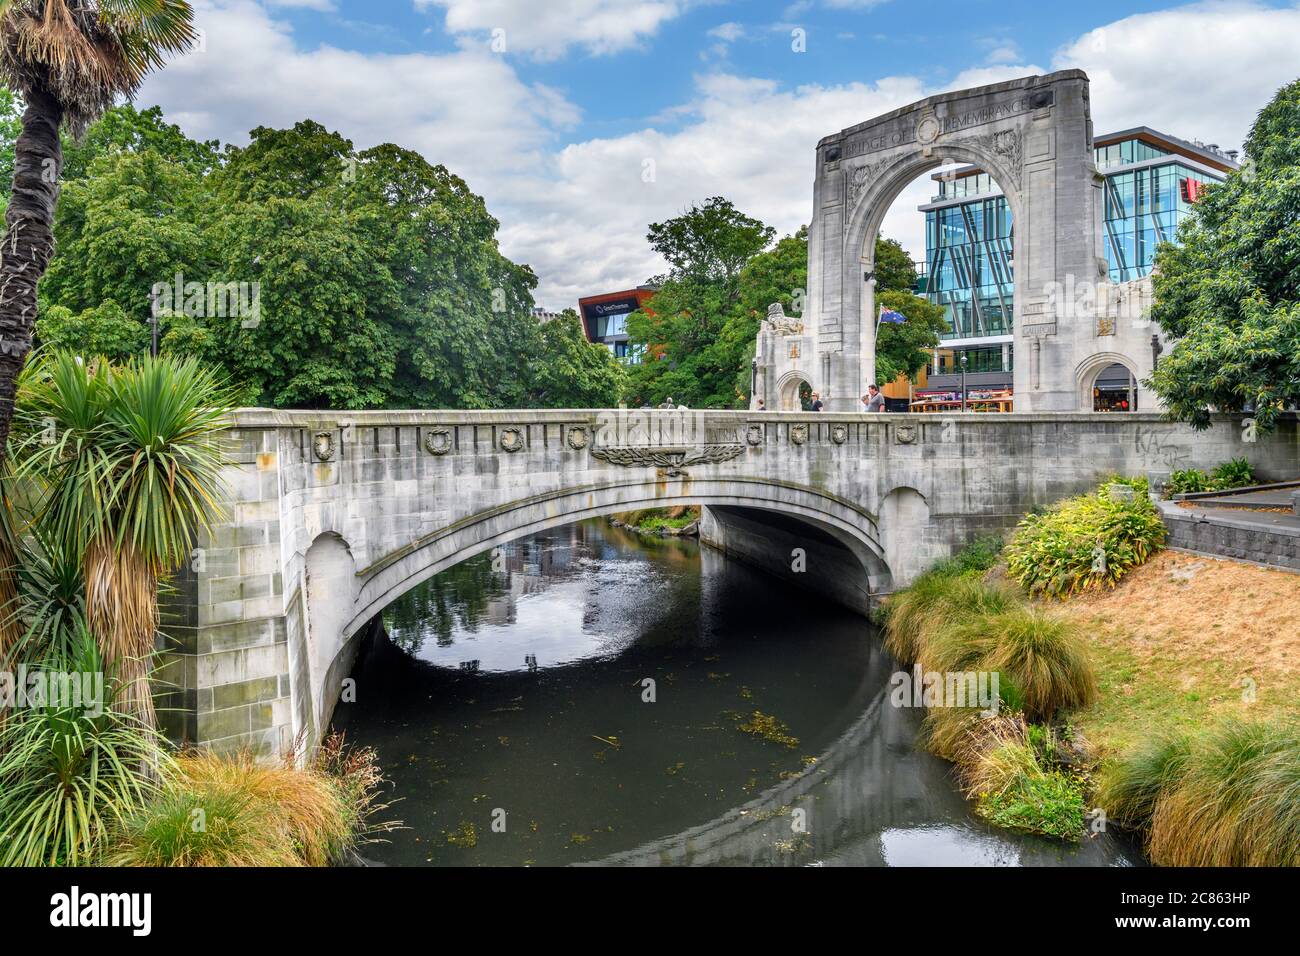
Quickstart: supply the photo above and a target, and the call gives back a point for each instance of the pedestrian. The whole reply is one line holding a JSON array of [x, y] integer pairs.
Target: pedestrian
[[761, 406], [816, 405], [873, 401]]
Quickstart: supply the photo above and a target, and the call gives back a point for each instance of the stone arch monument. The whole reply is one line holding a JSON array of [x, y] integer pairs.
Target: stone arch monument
[[1034, 137]]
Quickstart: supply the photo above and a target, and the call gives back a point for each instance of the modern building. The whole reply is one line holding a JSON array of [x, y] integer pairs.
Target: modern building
[[604, 319], [1151, 181]]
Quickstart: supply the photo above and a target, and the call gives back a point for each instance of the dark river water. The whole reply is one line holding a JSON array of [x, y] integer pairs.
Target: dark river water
[[592, 696]]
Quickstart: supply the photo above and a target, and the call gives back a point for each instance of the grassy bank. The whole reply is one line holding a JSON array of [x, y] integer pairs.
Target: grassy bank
[[1163, 687], [680, 519]]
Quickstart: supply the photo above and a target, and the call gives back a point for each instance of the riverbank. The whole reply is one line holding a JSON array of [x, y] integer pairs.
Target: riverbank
[[1190, 667], [1186, 640], [680, 521]]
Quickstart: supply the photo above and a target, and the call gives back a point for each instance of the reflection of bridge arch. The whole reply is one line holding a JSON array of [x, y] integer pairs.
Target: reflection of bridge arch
[[393, 575]]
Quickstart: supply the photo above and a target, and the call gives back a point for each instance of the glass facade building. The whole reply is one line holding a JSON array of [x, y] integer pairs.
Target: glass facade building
[[1151, 183], [604, 319]]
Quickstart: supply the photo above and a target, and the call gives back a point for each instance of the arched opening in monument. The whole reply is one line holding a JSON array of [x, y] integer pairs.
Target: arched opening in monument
[[1115, 389], [794, 394], [955, 223]]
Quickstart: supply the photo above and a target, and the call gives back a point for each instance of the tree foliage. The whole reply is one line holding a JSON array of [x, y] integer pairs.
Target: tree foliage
[[377, 276], [1230, 291], [699, 331]]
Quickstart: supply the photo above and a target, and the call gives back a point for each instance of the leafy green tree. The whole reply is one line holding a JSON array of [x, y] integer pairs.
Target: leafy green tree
[[11, 124], [570, 372], [318, 338], [710, 242], [104, 330], [124, 129], [895, 271], [904, 348], [1230, 291], [138, 220], [463, 315], [285, 164], [69, 61], [690, 354]]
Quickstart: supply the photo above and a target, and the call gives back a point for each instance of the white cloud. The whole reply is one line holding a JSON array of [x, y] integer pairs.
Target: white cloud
[[466, 108], [548, 29], [1197, 72]]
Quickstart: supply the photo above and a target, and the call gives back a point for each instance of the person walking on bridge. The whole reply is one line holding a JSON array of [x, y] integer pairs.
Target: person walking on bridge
[[873, 401]]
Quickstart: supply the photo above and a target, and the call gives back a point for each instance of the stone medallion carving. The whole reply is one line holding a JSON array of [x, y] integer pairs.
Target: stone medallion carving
[[437, 441], [839, 434], [754, 434], [905, 433], [322, 444], [799, 433], [577, 437], [671, 461], [512, 439], [927, 129]]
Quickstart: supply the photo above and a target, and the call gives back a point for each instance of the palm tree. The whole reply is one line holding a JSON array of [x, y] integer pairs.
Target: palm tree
[[128, 461], [70, 60]]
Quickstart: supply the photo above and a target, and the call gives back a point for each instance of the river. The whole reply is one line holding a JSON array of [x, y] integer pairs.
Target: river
[[592, 696]]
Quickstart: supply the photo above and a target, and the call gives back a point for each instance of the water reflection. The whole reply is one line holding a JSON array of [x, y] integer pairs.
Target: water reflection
[[514, 688]]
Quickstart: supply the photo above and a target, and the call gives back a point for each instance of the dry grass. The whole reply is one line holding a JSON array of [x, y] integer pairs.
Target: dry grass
[[233, 811], [1185, 639]]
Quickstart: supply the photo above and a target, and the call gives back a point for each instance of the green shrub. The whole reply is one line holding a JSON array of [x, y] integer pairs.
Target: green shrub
[[979, 555], [1235, 473], [1084, 542], [1227, 796], [1188, 481], [1033, 799], [70, 775]]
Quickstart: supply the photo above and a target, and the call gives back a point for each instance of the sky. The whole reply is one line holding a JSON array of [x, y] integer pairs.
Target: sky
[[582, 121]]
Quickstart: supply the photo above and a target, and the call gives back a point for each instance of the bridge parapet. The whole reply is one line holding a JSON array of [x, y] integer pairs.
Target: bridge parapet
[[333, 515]]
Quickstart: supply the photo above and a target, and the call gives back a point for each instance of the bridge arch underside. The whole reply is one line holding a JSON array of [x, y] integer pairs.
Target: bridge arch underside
[[826, 519]]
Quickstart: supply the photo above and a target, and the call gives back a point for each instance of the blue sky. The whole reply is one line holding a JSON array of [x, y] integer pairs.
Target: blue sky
[[551, 109]]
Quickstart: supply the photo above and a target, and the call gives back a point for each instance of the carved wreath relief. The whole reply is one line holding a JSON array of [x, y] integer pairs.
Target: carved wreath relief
[[905, 433], [437, 441], [754, 434], [577, 437], [512, 439], [839, 434], [799, 433], [323, 444]]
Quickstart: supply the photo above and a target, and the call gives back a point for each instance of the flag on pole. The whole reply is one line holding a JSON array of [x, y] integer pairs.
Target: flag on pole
[[892, 317]]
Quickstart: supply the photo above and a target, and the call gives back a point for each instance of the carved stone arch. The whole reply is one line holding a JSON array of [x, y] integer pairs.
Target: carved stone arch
[[1033, 136], [1087, 371], [787, 388]]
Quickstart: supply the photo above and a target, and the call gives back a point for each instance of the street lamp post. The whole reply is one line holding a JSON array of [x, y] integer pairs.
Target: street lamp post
[[962, 359], [153, 324]]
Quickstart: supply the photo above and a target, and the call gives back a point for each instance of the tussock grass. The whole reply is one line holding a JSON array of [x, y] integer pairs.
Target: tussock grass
[[963, 623], [230, 810], [933, 604], [1227, 796]]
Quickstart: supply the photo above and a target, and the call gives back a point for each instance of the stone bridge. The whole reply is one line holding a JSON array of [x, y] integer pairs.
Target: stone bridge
[[333, 515]]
